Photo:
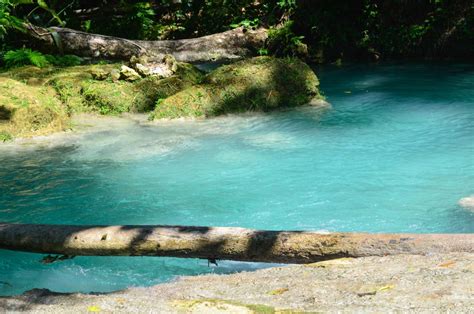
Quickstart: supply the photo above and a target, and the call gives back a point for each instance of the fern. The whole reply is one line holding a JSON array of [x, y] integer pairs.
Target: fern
[[24, 56]]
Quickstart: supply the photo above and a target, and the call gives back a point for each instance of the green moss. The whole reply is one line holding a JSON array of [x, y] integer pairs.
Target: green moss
[[5, 136], [154, 89], [107, 97], [37, 101], [257, 84], [29, 110]]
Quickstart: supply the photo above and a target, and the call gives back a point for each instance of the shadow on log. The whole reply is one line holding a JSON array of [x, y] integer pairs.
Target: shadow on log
[[233, 44], [221, 242]]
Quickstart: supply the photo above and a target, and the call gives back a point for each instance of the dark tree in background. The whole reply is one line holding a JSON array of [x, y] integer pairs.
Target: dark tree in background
[[330, 30]]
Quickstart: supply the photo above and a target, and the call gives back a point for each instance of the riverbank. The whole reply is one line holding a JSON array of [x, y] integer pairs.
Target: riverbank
[[408, 283], [40, 101]]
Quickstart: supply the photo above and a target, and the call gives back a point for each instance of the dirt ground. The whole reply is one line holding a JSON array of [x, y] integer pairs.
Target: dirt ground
[[402, 283]]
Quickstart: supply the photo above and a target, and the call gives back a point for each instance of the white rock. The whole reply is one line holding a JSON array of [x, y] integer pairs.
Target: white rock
[[467, 202], [161, 70]]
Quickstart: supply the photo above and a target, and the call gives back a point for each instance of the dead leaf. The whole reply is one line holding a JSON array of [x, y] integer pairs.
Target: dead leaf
[[386, 288], [447, 264]]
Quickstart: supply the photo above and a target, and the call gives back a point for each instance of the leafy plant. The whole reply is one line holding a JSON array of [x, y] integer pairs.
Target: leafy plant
[[7, 20], [282, 41], [247, 23], [24, 56], [263, 52], [5, 136]]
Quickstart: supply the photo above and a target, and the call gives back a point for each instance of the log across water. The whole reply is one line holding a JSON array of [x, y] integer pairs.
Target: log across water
[[233, 44], [221, 242]]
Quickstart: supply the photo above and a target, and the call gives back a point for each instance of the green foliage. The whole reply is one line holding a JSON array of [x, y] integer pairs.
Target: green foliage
[[247, 23], [7, 20], [282, 41], [64, 61], [24, 56], [326, 30], [5, 136]]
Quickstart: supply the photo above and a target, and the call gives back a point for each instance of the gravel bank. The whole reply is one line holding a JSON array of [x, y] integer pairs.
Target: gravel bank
[[407, 283]]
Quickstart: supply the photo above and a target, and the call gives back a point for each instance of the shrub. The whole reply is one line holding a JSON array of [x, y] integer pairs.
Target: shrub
[[24, 56], [282, 41]]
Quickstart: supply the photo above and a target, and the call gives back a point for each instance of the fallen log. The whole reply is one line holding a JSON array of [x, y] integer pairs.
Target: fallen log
[[229, 45], [221, 242]]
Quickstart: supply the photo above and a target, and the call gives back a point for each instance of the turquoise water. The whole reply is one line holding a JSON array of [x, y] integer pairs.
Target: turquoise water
[[395, 154]]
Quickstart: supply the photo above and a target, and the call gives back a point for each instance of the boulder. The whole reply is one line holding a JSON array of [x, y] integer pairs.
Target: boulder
[[29, 110], [256, 84]]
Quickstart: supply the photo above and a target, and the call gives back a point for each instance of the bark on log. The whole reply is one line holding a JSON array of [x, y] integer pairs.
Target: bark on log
[[222, 242], [229, 45]]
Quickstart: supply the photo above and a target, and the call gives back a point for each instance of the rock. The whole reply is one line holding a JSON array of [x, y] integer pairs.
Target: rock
[[129, 74], [142, 70], [27, 110], [319, 102], [467, 202], [256, 84], [99, 74], [115, 75], [143, 59], [170, 62], [163, 68]]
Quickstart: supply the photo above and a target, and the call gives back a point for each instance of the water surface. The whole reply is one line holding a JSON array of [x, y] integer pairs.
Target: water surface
[[395, 154]]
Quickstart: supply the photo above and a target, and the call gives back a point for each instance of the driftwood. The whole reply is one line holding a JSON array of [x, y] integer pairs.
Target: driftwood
[[233, 44], [221, 242]]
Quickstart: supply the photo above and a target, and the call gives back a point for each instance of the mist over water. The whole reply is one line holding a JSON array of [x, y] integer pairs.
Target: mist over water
[[395, 154]]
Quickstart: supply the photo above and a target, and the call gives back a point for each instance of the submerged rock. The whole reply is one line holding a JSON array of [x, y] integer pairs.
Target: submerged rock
[[256, 84], [467, 202]]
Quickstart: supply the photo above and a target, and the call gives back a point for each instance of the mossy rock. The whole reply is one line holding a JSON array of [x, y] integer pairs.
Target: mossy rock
[[29, 110], [36, 101], [257, 84]]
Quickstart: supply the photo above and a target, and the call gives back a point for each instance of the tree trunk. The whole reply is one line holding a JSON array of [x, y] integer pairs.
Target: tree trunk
[[233, 44], [222, 242]]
